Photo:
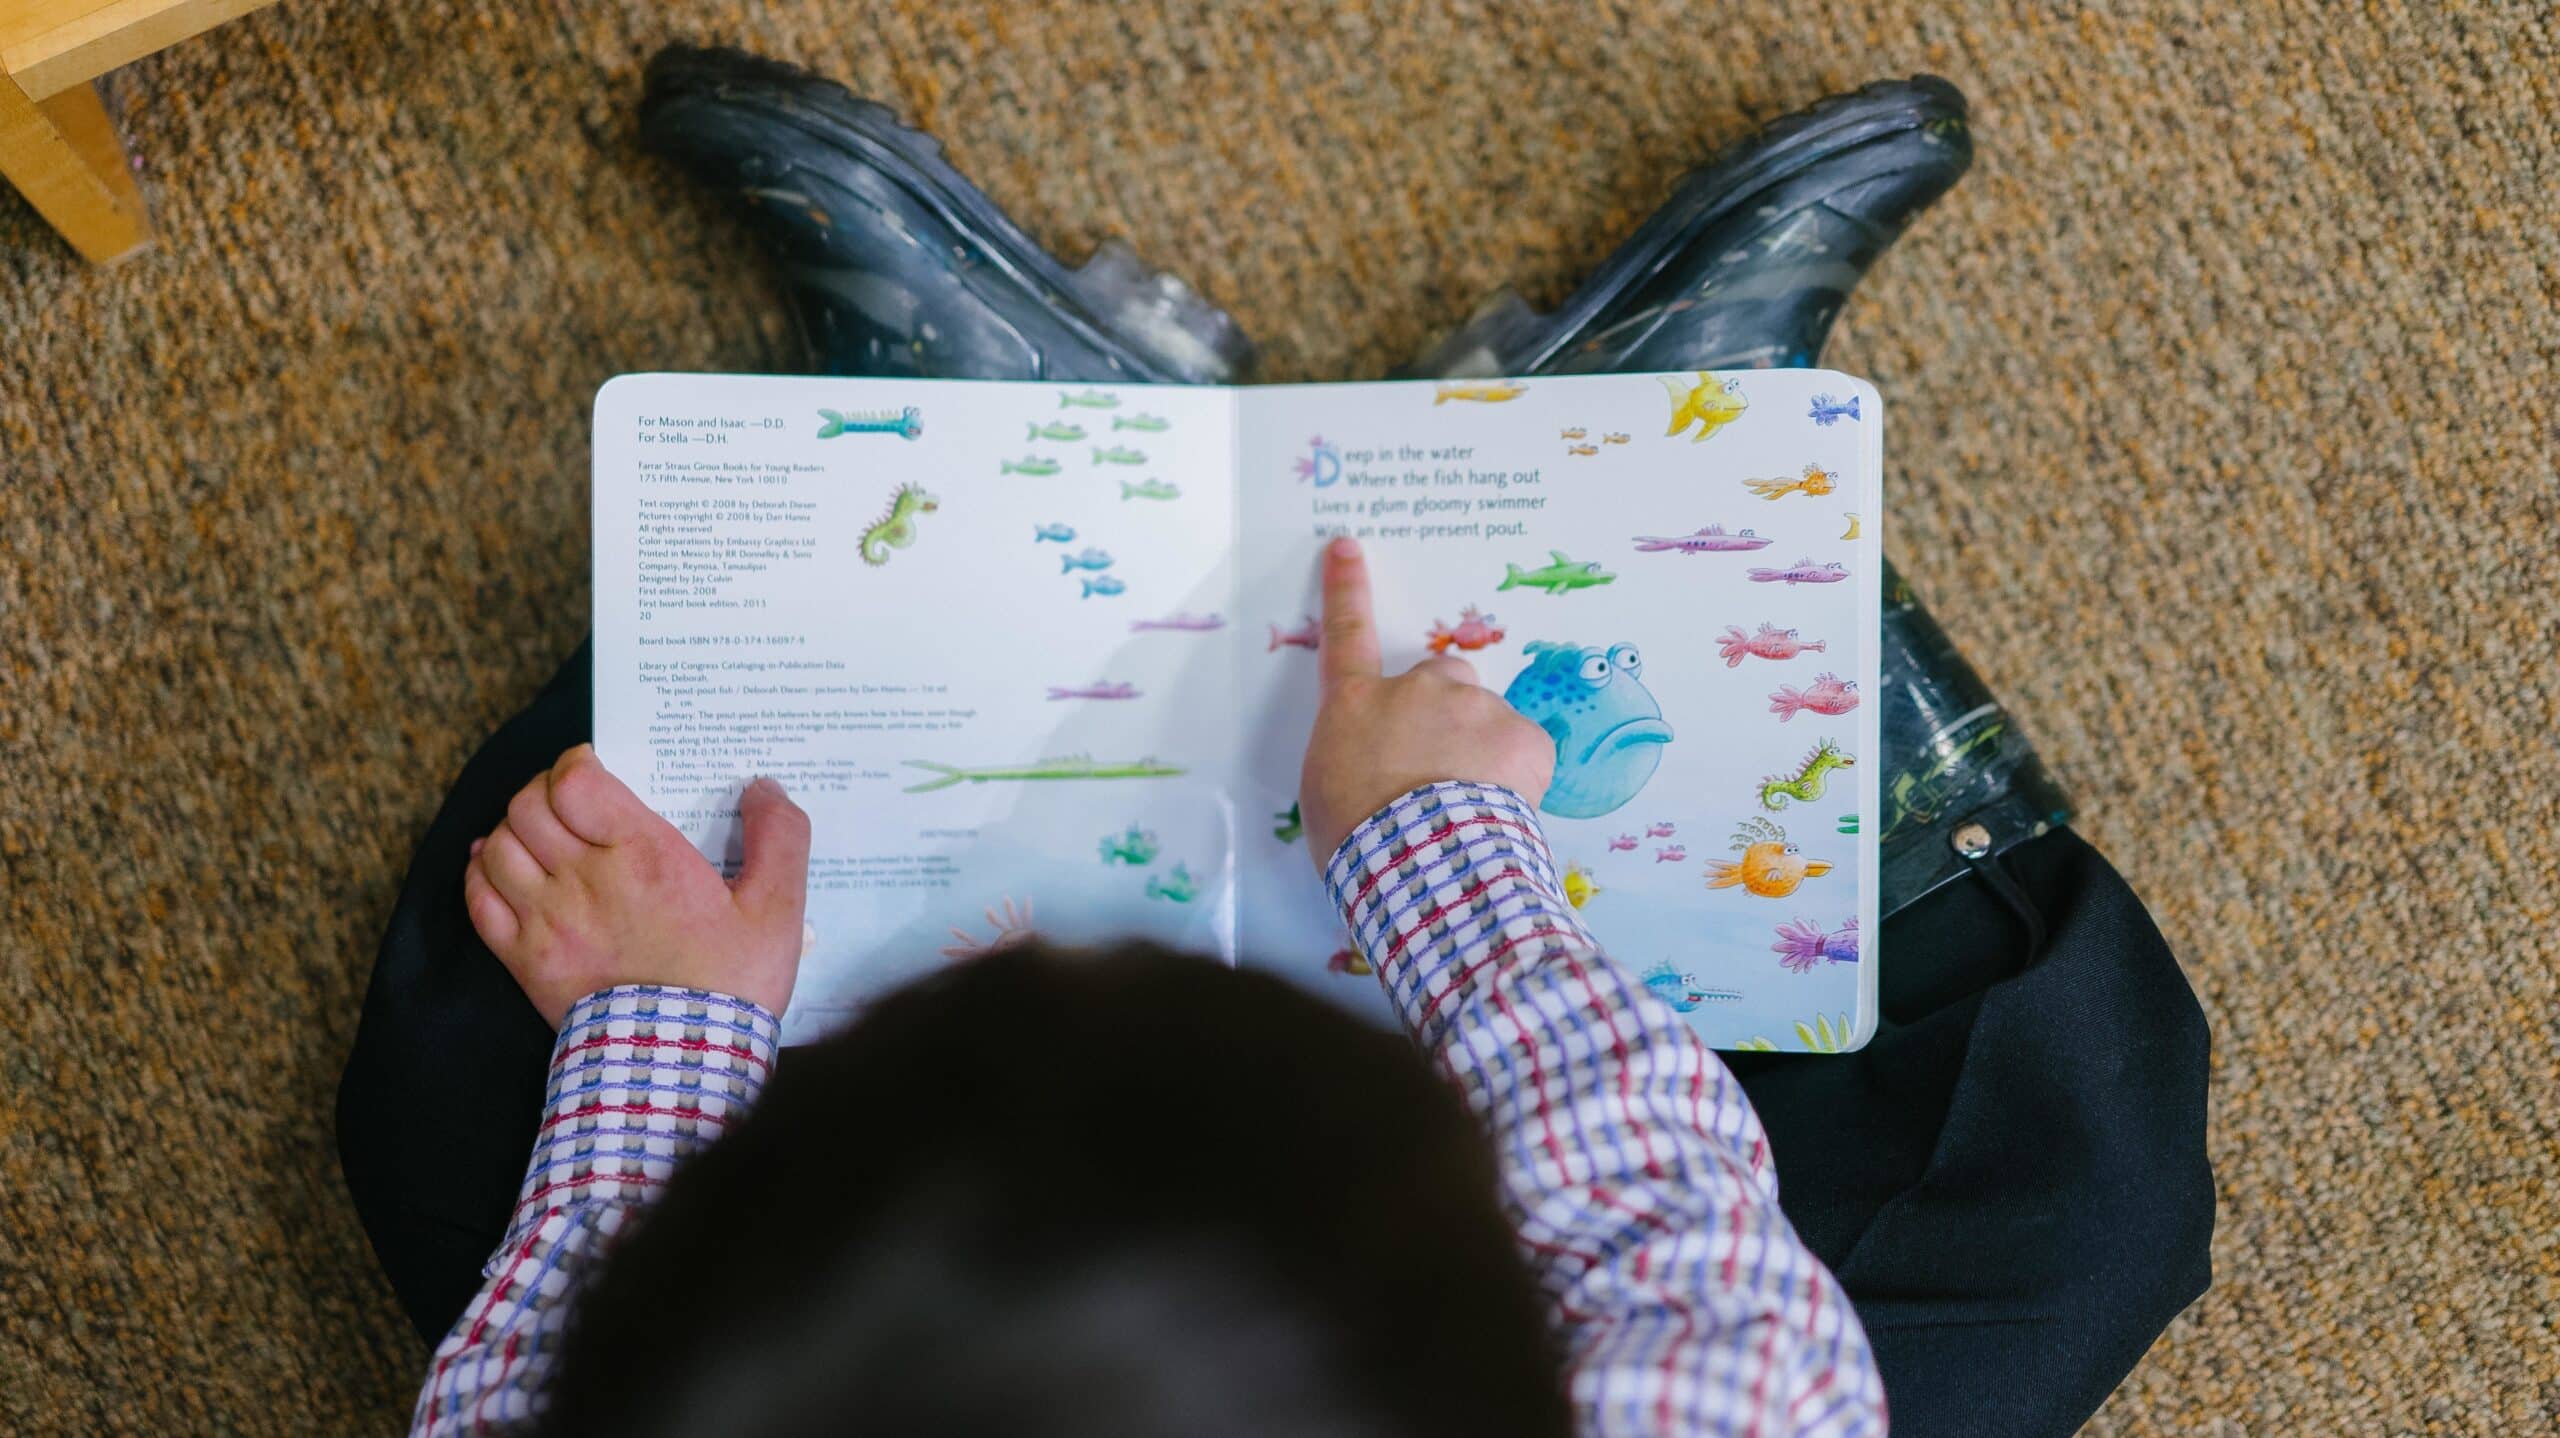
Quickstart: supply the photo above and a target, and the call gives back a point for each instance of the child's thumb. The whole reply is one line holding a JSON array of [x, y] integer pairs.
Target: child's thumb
[[773, 869]]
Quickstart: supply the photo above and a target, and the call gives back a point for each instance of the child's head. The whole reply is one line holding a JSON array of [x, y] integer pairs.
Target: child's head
[[1122, 1195]]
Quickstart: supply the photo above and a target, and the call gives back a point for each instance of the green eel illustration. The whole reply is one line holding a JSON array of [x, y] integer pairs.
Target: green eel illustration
[[1809, 780], [1077, 766], [897, 528]]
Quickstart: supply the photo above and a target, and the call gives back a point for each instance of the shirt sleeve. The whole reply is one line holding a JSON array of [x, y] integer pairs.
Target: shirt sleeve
[[1633, 1168], [641, 1077]]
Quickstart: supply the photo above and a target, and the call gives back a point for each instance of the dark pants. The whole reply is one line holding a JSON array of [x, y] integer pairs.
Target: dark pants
[[2010, 1180]]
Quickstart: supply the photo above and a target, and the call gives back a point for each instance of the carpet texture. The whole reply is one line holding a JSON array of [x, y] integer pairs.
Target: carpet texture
[[2222, 394]]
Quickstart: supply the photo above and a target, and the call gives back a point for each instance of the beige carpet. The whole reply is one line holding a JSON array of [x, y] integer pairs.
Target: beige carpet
[[2223, 419]]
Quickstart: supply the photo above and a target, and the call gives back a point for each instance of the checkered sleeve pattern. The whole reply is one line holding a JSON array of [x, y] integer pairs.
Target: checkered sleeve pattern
[[641, 1077], [1633, 1168]]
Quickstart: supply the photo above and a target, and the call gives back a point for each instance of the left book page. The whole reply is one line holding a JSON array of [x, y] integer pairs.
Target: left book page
[[980, 631]]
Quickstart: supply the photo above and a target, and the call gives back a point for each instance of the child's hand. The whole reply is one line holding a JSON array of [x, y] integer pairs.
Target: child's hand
[[582, 887], [1375, 737]]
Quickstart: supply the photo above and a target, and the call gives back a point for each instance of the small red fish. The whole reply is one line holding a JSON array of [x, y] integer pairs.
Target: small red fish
[[1474, 631], [1302, 637], [1770, 643], [1670, 854], [1626, 842], [1829, 694]]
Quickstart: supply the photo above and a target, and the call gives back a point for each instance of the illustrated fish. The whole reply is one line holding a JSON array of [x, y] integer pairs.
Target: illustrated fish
[[1671, 854], [1489, 392], [1682, 991], [1305, 636], [1089, 399], [1089, 558], [1658, 831], [1348, 961], [1815, 481], [1710, 404], [1058, 532], [1576, 432], [1608, 730], [1622, 843], [1030, 464], [1828, 694], [1803, 571], [1811, 777], [1057, 429], [1614, 437], [1176, 886], [1802, 946], [1770, 643], [1102, 584], [902, 423], [1474, 632], [1149, 489], [1770, 867], [1142, 423], [1579, 886], [1105, 689], [1559, 577], [1582, 449], [1186, 623], [1853, 528], [1287, 827], [1119, 454], [1136, 848], [1077, 766], [1828, 411], [1710, 540]]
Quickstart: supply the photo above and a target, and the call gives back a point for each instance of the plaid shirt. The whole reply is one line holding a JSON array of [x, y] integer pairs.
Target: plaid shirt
[[1633, 1168]]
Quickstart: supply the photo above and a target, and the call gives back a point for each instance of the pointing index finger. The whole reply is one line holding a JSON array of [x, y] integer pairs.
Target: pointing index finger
[[1350, 648]]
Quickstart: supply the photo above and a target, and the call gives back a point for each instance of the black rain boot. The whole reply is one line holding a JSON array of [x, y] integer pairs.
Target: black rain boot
[[1746, 266], [897, 264]]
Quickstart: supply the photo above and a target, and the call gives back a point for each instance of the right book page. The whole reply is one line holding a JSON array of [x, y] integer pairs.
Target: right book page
[[1679, 578]]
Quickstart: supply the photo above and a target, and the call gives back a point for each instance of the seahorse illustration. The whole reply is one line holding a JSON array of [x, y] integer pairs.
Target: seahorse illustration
[[897, 528], [1808, 781]]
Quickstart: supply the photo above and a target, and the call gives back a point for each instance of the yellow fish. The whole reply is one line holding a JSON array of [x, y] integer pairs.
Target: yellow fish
[[1579, 885], [1814, 480], [1491, 392], [1853, 528], [1770, 866], [1710, 404]]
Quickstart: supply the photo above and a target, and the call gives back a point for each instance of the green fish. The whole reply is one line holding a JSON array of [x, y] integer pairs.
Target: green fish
[[1136, 848], [1554, 578], [1031, 464], [1287, 827], [1119, 454], [1148, 489], [1090, 399], [1178, 886], [1075, 767], [1057, 429], [1142, 423]]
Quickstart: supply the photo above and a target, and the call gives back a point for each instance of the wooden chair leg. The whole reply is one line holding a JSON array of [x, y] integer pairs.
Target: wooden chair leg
[[63, 155]]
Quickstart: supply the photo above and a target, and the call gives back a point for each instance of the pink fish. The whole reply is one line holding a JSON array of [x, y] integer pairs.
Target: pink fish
[[1625, 842], [1802, 945], [1670, 854], [1302, 637], [1803, 571], [1474, 631], [1829, 694], [1710, 540], [1191, 623], [1106, 689], [1770, 643], [1658, 831]]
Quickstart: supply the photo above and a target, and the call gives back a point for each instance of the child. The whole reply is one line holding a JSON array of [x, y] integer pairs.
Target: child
[[1128, 1193]]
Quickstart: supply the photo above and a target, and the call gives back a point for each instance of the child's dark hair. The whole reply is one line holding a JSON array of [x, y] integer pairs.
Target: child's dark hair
[[1122, 1194]]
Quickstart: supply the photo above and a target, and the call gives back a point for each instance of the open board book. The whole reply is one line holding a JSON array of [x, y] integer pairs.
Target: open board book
[[1040, 656]]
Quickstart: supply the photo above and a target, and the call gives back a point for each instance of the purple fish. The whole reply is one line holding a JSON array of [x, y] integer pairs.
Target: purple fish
[[1802, 945], [1803, 571], [1710, 540], [1106, 689], [1670, 854], [1191, 623], [1623, 841]]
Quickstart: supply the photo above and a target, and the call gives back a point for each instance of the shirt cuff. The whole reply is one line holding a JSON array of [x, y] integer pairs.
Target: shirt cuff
[[642, 1075]]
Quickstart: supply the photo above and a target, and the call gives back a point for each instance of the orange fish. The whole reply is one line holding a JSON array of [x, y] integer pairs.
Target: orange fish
[[1770, 867], [1814, 480], [1576, 432], [1582, 449]]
